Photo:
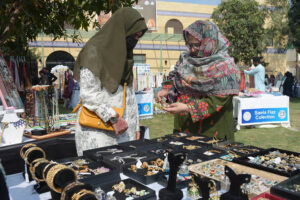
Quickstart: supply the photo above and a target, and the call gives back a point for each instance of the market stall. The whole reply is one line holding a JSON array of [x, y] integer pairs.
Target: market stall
[[263, 109], [192, 166]]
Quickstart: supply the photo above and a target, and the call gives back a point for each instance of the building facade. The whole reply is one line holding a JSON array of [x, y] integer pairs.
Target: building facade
[[160, 48]]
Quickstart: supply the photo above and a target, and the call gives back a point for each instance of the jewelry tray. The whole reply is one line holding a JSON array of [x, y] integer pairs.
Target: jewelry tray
[[250, 148], [113, 171], [198, 169], [284, 188], [142, 145], [129, 183], [245, 161], [226, 145], [202, 141], [127, 161], [140, 174], [93, 155]]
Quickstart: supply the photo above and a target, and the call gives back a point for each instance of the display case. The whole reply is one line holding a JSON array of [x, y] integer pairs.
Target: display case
[[278, 161], [98, 153], [289, 189], [147, 173], [261, 181]]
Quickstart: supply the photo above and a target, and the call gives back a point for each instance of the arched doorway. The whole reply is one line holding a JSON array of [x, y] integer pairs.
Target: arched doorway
[[173, 26], [60, 58]]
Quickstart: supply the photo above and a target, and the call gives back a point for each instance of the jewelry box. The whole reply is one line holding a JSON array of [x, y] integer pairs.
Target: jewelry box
[[98, 153], [277, 161], [145, 172], [289, 189]]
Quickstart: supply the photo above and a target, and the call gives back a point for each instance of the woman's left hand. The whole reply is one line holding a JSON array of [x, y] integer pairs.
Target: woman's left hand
[[138, 135], [176, 108]]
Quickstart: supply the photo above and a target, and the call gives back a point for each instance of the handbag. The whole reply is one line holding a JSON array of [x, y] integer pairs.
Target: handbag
[[90, 119]]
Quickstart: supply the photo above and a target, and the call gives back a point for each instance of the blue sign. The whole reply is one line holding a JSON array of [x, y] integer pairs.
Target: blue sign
[[260, 115], [145, 108]]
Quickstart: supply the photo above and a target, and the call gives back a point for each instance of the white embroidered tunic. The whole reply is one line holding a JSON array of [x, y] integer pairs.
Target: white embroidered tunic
[[100, 101]]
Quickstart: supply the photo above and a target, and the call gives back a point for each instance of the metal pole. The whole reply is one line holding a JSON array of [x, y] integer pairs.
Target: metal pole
[[161, 66], [43, 63]]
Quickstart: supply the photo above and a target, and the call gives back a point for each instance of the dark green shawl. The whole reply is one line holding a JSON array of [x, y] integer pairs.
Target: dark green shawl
[[105, 54]]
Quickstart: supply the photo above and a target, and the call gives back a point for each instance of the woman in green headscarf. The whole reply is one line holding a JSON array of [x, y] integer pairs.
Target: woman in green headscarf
[[203, 83], [103, 66]]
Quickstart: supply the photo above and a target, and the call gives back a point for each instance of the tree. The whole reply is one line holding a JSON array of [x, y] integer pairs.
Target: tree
[[22, 20], [242, 21], [294, 24], [277, 25]]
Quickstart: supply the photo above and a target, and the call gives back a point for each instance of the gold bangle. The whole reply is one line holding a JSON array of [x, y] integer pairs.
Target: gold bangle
[[35, 166], [28, 151], [81, 193], [68, 187], [45, 169], [25, 146], [52, 173], [34, 162]]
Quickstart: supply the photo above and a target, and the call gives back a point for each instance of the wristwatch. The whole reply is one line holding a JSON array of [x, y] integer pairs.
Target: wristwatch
[[114, 119]]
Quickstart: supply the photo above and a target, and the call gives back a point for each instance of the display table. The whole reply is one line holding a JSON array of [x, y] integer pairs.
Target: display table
[[19, 189], [267, 109]]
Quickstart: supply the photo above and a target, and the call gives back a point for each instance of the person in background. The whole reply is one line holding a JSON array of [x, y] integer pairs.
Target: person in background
[[103, 66], [43, 79], [51, 77], [267, 80], [203, 84], [272, 80], [259, 74], [288, 84]]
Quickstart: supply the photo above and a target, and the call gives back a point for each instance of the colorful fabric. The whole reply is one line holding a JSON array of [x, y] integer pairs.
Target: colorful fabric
[[207, 116], [214, 69]]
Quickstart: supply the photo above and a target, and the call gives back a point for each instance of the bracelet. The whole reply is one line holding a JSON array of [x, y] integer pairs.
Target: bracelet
[[52, 173], [28, 151], [32, 169], [25, 146], [81, 193], [68, 187], [34, 162], [45, 169]]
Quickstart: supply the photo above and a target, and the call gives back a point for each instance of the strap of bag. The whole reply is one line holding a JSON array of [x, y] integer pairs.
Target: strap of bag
[[123, 106]]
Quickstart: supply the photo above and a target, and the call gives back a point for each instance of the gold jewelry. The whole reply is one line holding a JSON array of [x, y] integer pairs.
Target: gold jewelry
[[32, 169], [213, 187], [68, 187], [52, 173], [81, 193], [26, 146], [28, 151], [45, 169]]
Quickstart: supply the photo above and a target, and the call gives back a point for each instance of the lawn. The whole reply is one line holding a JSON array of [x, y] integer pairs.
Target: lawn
[[283, 138]]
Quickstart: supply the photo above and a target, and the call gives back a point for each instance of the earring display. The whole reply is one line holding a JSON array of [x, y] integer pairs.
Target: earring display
[[282, 162], [260, 181]]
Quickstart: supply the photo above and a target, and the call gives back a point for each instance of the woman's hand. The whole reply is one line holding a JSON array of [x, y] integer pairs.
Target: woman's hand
[[186, 82], [120, 126], [176, 108], [161, 94], [138, 135]]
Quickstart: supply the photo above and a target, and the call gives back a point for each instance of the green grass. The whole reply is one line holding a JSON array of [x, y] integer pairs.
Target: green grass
[[283, 138]]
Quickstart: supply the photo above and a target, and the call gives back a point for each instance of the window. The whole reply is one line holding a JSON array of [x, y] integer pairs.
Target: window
[[139, 58]]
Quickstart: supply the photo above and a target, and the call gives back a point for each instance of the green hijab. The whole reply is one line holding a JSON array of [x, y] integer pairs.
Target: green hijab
[[105, 54]]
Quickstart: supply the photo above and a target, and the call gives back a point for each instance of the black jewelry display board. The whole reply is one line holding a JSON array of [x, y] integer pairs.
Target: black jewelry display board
[[289, 188], [246, 161]]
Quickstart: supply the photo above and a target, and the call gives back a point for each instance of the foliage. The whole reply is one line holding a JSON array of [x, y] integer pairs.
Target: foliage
[[21, 21], [277, 27], [242, 21], [294, 23]]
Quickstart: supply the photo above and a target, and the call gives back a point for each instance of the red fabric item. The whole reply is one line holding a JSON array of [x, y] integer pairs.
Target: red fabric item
[[243, 81]]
